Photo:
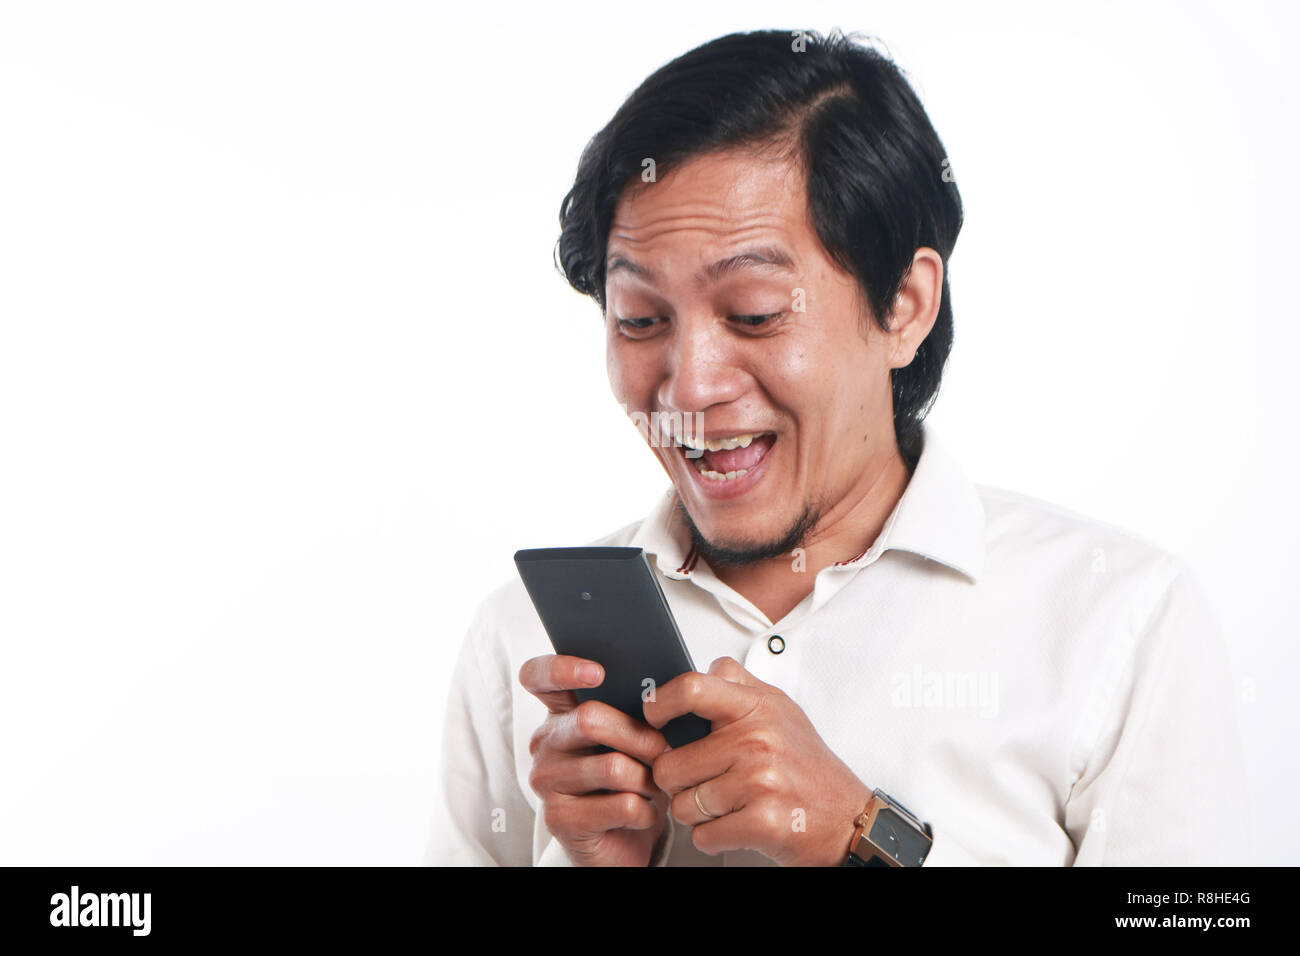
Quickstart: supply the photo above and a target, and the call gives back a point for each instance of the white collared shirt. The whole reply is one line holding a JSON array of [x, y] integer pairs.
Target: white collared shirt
[[1041, 688]]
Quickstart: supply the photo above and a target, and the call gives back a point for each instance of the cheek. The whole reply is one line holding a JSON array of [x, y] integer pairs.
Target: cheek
[[826, 385], [804, 375], [627, 378]]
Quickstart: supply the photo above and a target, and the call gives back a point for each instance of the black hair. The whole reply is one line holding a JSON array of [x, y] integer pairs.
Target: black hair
[[878, 179]]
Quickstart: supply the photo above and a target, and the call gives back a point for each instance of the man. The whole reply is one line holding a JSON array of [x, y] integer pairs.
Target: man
[[766, 224]]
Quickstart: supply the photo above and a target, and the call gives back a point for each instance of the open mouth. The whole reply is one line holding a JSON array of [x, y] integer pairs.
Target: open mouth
[[728, 458]]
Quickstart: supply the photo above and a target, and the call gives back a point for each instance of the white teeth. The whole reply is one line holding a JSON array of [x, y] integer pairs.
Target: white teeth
[[717, 475]]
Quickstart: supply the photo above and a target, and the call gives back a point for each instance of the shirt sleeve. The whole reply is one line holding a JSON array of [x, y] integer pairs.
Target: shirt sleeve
[[945, 851], [483, 817], [1162, 778]]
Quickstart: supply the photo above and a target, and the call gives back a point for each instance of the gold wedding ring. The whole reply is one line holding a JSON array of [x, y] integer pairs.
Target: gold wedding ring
[[711, 816]]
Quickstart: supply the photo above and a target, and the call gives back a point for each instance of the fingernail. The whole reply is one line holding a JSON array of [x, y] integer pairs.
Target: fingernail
[[591, 673]]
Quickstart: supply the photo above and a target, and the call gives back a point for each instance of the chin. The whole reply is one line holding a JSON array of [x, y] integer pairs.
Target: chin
[[722, 549]]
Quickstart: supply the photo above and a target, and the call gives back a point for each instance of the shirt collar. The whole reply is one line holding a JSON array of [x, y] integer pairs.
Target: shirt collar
[[664, 538], [938, 516]]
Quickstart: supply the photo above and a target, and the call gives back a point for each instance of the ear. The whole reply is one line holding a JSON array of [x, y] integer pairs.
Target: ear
[[916, 306]]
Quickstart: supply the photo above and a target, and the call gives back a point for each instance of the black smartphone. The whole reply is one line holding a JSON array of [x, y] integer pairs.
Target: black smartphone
[[605, 604]]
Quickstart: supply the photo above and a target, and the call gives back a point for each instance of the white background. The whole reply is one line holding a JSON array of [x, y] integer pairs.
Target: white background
[[287, 373]]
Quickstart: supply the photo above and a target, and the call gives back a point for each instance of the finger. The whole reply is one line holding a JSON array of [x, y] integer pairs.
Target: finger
[[681, 768], [735, 831], [576, 776], [593, 723], [719, 796], [711, 697], [552, 679], [728, 668], [592, 815]]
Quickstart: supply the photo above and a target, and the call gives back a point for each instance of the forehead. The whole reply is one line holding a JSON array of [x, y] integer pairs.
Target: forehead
[[710, 203]]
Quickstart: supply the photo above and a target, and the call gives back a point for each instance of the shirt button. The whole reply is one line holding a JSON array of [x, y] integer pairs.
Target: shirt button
[[776, 643]]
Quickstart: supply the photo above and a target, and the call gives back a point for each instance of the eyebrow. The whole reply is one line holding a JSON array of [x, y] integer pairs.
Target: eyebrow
[[762, 256]]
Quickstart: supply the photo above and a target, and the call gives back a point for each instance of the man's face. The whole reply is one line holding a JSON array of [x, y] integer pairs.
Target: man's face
[[692, 329]]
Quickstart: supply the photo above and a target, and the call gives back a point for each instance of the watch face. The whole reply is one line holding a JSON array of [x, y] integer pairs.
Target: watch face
[[895, 836]]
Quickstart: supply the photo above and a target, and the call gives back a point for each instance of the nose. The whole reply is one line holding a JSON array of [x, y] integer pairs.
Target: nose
[[702, 368]]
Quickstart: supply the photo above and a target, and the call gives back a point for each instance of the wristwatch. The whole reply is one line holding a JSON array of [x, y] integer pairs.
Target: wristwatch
[[888, 834]]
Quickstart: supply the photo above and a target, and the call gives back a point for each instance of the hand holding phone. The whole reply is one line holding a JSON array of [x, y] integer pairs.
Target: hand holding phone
[[603, 807], [602, 608], [606, 605]]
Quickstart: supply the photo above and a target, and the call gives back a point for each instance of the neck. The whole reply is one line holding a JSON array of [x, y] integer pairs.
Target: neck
[[777, 585]]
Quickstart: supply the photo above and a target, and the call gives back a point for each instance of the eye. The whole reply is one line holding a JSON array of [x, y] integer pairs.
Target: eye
[[755, 321], [635, 327]]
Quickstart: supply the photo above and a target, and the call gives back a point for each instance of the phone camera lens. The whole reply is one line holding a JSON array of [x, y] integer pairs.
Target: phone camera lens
[[586, 595]]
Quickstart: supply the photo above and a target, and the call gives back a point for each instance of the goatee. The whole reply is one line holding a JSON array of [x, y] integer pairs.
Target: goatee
[[718, 555]]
